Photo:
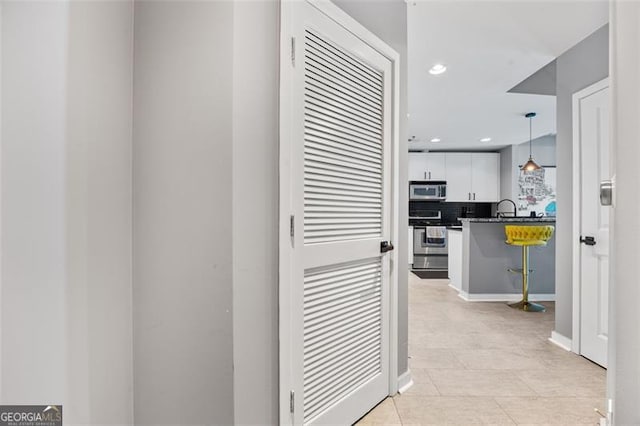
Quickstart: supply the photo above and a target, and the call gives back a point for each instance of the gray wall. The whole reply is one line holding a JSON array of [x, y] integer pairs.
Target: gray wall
[[255, 211], [388, 20], [514, 156], [195, 159], [34, 338], [182, 234], [66, 208], [99, 218], [579, 67], [542, 148]]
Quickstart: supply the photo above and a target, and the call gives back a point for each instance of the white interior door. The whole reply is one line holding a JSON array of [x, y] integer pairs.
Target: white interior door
[[340, 187], [593, 114]]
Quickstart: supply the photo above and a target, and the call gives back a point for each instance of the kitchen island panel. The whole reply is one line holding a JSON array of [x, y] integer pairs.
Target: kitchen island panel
[[486, 258]]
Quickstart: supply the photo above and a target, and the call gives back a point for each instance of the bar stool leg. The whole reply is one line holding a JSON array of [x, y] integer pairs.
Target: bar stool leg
[[524, 304]]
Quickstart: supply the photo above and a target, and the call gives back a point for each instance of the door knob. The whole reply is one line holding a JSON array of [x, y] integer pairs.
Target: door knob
[[606, 193], [385, 246], [590, 241]]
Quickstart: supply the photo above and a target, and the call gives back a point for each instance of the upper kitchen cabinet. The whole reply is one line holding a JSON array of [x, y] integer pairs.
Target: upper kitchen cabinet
[[458, 177], [473, 177], [427, 166], [485, 177]]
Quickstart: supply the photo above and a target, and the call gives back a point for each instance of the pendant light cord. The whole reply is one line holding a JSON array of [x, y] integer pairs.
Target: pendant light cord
[[530, 121]]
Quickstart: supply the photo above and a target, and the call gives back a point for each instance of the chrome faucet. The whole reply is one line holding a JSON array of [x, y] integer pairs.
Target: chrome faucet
[[515, 208]]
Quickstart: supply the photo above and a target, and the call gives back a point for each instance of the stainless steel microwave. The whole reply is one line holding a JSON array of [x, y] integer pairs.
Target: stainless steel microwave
[[427, 190]]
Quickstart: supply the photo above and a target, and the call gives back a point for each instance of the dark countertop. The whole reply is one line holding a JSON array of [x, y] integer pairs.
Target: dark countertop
[[523, 219]]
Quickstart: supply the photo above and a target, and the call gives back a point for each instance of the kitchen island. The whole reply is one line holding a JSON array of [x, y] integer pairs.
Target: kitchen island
[[486, 258]]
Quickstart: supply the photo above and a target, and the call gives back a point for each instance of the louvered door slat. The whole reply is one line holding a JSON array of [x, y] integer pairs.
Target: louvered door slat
[[339, 81], [356, 74], [316, 157], [315, 78], [344, 58], [342, 331], [362, 323], [322, 330], [333, 170], [338, 108], [323, 124], [353, 141], [336, 99], [341, 121], [331, 135]]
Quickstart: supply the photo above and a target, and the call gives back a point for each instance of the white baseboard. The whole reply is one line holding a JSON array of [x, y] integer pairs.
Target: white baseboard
[[405, 382], [560, 341], [504, 297], [454, 287]]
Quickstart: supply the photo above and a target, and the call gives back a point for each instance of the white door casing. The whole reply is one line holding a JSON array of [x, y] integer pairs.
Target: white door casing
[[338, 138], [591, 262]]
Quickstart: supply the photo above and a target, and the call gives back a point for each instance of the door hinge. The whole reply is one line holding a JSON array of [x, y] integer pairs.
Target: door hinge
[[293, 51], [292, 401], [292, 227]]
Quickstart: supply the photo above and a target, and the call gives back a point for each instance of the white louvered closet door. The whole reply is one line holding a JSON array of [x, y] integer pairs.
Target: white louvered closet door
[[341, 199]]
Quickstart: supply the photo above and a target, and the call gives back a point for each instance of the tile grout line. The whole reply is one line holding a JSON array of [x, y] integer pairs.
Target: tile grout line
[[495, 399]]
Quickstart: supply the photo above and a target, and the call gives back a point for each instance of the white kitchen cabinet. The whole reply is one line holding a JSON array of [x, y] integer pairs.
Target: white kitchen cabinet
[[410, 239], [427, 166], [455, 258], [473, 176], [458, 176], [485, 177]]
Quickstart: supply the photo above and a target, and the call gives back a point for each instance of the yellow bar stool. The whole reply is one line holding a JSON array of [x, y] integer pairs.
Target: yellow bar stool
[[525, 237]]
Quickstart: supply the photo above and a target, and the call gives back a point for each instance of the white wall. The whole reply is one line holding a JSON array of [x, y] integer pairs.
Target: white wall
[[624, 335], [182, 186], [507, 178], [66, 208]]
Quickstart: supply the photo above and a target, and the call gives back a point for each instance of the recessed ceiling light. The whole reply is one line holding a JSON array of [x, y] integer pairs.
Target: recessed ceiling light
[[485, 140], [437, 69], [435, 140]]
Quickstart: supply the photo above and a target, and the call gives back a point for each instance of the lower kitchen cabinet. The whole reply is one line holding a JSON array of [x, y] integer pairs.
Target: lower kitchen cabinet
[[410, 239], [455, 258]]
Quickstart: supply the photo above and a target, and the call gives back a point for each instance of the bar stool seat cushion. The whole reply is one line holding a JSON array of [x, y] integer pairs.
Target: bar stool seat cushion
[[523, 235]]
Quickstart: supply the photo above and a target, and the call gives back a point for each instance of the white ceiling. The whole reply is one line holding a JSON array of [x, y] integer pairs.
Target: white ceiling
[[488, 46]]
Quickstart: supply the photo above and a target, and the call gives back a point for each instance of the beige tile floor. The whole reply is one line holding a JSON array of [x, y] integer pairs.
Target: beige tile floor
[[485, 363]]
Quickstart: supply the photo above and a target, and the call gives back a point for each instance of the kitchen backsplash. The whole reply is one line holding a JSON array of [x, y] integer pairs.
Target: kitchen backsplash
[[451, 211]]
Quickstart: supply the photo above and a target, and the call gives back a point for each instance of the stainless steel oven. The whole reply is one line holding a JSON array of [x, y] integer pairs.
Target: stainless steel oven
[[430, 248], [427, 190]]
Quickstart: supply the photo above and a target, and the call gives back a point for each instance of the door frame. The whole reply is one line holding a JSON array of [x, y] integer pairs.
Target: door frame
[[577, 221], [286, 109]]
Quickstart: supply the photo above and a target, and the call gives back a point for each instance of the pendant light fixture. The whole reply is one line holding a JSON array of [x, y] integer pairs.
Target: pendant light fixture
[[530, 165]]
